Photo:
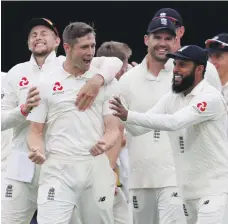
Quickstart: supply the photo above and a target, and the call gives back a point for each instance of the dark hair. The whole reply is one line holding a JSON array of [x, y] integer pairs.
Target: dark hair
[[204, 65], [76, 30], [114, 49]]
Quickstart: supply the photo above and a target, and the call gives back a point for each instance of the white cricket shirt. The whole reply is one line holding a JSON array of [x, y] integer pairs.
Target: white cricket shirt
[[197, 131], [71, 132], [150, 156], [25, 75], [225, 94], [212, 76], [6, 136]]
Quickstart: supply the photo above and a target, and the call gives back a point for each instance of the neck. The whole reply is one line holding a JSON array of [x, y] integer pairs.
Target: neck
[[154, 66], [187, 91], [68, 67], [40, 60], [223, 77], [177, 45]]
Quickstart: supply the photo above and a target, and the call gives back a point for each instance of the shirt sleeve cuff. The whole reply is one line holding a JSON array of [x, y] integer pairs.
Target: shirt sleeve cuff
[[130, 117]]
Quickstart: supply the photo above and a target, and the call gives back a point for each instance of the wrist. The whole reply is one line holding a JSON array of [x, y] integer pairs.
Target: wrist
[[24, 110]]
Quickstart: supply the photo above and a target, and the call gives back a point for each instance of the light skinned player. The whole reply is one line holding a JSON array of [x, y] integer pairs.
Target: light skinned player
[[122, 213], [174, 16], [20, 183], [72, 136], [217, 48], [154, 195], [6, 136]]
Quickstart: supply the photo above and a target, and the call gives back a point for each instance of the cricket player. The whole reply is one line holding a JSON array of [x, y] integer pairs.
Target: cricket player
[[121, 209], [20, 185], [194, 114], [211, 74], [71, 178], [154, 196], [6, 136], [217, 48]]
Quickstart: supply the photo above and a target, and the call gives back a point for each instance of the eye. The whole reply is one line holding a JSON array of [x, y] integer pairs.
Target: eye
[[168, 38], [157, 37], [84, 47]]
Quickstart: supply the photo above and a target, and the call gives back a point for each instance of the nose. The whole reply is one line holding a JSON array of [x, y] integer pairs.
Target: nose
[[91, 51], [162, 43], [175, 69], [38, 37]]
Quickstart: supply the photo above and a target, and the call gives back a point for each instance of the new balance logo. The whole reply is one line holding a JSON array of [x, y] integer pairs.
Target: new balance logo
[[174, 194], [206, 202], [101, 199], [9, 191], [51, 194], [135, 202]]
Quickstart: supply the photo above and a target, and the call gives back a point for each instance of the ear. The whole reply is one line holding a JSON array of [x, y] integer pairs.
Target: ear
[[66, 47], [29, 46], [181, 31], [146, 39], [57, 41], [200, 69]]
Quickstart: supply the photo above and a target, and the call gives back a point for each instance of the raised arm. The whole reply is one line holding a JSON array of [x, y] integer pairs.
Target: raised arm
[[201, 109], [123, 114], [109, 67]]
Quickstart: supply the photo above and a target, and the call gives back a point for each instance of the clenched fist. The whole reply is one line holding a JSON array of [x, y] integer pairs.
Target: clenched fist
[[37, 155]]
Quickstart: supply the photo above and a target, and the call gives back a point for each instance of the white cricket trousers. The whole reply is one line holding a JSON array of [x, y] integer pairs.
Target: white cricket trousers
[[120, 211], [19, 199], [86, 185], [207, 210], [157, 206]]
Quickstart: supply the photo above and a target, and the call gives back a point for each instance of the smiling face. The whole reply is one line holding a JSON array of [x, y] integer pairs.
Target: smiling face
[[186, 75], [82, 52], [220, 61], [42, 41], [159, 44], [183, 75]]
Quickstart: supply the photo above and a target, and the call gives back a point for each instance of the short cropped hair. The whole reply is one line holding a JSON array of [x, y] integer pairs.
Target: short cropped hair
[[76, 30], [115, 49]]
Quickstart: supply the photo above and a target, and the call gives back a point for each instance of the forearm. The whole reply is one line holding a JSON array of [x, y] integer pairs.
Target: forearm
[[114, 152], [109, 67], [137, 130], [35, 139], [162, 122], [11, 118]]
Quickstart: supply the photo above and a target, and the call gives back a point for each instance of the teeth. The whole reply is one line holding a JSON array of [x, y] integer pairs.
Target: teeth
[[178, 77], [162, 50]]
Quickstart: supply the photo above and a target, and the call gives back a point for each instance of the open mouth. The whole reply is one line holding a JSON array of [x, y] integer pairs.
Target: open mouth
[[87, 61], [39, 45], [178, 78], [162, 51]]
